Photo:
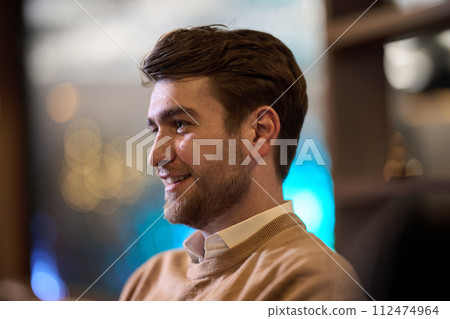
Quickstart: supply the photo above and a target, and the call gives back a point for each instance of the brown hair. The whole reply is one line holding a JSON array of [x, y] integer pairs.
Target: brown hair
[[247, 69]]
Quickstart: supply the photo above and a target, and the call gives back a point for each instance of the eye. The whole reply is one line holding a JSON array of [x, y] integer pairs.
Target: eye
[[152, 126], [181, 125]]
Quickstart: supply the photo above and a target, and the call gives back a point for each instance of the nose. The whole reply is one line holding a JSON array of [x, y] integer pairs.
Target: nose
[[162, 151]]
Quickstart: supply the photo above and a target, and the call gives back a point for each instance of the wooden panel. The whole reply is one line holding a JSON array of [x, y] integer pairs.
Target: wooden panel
[[338, 8], [358, 123], [14, 253], [387, 23], [378, 221]]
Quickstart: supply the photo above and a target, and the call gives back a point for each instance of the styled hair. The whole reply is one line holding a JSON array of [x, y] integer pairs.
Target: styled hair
[[246, 68]]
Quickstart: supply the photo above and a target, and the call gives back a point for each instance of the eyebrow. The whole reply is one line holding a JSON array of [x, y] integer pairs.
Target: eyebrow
[[167, 114]]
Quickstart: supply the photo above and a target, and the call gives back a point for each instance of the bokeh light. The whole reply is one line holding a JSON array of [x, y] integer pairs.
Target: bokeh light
[[94, 177], [62, 101], [310, 188], [46, 282]]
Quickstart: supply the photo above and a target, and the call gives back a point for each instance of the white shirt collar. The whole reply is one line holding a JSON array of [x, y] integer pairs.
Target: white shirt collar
[[199, 248]]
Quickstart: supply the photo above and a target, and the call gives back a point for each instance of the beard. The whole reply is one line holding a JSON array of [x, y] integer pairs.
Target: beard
[[214, 194]]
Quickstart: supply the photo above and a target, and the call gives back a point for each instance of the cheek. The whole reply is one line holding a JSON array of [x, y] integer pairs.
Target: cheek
[[201, 155], [184, 150]]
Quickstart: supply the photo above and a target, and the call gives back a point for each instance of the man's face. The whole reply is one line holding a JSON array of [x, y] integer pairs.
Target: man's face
[[196, 195]]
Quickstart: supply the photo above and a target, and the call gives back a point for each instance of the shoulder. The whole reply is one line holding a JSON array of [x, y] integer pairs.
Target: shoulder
[[308, 269], [150, 271]]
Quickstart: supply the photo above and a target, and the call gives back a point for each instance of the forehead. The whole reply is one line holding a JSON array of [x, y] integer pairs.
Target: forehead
[[194, 94]]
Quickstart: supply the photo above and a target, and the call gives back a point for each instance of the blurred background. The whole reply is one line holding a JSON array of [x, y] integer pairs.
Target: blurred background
[[71, 96]]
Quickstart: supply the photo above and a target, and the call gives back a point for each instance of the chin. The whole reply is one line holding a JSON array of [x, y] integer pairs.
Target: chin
[[183, 212]]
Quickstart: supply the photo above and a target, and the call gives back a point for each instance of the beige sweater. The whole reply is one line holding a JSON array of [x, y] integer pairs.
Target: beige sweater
[[279, 262]]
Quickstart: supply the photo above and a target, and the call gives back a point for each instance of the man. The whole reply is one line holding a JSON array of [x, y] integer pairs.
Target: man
[[218, 85]]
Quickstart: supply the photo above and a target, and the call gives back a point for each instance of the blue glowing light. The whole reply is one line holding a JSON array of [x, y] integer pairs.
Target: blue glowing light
[[46, 286], [45, 280], [310, 187]]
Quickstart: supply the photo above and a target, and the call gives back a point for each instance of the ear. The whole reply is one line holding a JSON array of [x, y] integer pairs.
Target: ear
[[262, 124]]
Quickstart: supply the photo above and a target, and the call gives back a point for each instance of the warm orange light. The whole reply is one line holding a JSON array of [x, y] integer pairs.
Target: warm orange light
[[62, 101], [94, 176]]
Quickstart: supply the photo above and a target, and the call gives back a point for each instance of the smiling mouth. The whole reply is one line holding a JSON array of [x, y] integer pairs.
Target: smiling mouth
[[175, 180]]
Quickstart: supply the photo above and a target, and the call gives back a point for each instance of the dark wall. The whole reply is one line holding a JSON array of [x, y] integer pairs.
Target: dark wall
[[14, 253]]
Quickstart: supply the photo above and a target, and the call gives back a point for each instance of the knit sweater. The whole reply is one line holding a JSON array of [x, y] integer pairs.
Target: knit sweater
[[281, 261]]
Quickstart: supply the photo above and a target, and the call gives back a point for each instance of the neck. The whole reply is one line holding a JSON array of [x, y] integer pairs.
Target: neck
[[263, 194]]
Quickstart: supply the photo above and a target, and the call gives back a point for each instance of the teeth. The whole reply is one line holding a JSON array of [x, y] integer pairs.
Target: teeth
[[173, 180]]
